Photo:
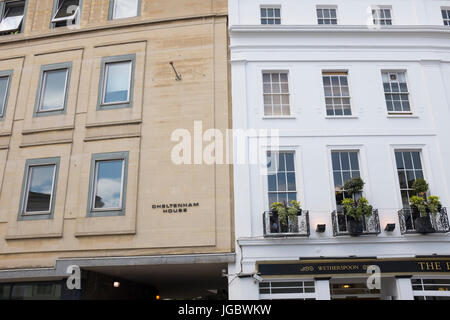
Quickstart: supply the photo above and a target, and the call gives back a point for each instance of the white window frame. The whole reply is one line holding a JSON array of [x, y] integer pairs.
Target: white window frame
[[448, 16], [289, 94], [105, 81], [378, 19], [327, 7], [27, 189], [277, 296], [357, 151], [68, 18], [44, 82], [352, 111], [394, 113], [426, 166], [263, 179], [430, 293], [363, 169], [420, 151], [295, 173], [94, 188], [274, 18]]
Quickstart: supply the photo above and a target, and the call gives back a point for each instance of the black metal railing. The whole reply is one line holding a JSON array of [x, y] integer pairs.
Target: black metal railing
[[297, 227], [370, 225], [408, 220]]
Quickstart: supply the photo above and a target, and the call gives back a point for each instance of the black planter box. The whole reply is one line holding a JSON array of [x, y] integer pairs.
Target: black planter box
[[423, 224], [354, 226]]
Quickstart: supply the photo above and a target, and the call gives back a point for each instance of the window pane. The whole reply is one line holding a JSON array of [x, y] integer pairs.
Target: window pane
[[272, 198], [292, 196], [281, 177], [289, 162], [3, 87], [280, 181], [117, 82], [272, 182], [67, 8], [416, 160], [408, 160], [125, 8], [40, 186], [54, 90], [336, 161], [13, 16], [291, 181], [337, 179], [108, 184], [354, 160], [345, 161]]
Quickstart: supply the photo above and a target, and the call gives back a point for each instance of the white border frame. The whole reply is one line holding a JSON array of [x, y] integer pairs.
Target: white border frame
[[363, 169]]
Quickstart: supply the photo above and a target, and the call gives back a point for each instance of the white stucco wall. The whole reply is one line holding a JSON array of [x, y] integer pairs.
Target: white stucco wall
[[417, 43]]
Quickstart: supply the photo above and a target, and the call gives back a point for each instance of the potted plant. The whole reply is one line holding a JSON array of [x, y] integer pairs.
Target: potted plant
[[287, 214], [422, 207], [355, 209]]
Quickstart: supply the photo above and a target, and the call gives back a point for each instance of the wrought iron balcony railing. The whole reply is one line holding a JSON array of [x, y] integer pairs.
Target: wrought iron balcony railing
[[298, 227], [370, 225], [438, 223]]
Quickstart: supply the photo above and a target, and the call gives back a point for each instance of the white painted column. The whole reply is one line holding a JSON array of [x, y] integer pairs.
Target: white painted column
[[404, 289], [323, 289], [243, 288]]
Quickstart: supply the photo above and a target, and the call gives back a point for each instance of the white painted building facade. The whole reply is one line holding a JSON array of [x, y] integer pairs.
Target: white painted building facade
[[349, 98]]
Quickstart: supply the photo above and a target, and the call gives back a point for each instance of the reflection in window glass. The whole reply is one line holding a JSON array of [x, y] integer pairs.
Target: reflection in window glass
[[117, 86], [3, 91], [409, 168], [53, 90], [345, 167], [281, 177], [382, 16], [326, 16], [13, 16], [270, 15], [276, 94], [337, 93], [108, 184], [446, 16], [67, 9], [39, 188], [396, 92], [125, 8]]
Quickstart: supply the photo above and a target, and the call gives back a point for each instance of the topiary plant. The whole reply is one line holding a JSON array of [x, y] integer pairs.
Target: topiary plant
[[420, 204], [434, 205], [357, 209], [354, 185], [349, 206], [285, 212], [420, 187]]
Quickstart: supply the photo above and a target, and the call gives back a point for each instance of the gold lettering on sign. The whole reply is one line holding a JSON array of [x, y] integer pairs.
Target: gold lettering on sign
[[431, 266], [338, 268], [448, 266]]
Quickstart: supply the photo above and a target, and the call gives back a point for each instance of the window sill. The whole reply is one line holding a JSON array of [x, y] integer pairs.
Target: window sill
[[278, 117], [405, 115], [341, 117]]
